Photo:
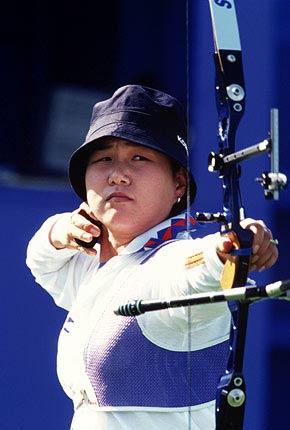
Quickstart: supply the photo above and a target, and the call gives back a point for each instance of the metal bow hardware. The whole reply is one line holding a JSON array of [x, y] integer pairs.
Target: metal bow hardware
[[230, 100]]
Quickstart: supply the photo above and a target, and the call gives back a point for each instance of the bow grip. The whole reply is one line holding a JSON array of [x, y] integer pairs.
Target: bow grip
[[237, 265]]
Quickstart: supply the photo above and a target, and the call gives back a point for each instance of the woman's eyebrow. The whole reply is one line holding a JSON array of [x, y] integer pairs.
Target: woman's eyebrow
[[107, 145]]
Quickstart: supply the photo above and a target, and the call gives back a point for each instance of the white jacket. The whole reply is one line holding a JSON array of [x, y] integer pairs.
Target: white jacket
[[77, 283]]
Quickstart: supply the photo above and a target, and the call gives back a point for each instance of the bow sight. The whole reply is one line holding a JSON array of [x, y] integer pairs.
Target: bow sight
[[272, 181]]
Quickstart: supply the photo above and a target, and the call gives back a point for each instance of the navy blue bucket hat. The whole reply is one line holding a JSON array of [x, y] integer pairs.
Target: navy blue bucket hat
[[141, 115]]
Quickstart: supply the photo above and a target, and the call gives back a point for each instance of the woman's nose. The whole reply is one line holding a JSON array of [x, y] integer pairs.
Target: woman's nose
[[118, 176]]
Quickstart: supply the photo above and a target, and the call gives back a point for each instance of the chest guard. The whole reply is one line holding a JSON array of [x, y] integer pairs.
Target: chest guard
[[128, 371]]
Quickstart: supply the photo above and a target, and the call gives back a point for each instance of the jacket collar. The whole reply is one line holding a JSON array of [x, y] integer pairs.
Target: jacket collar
[[179, 226]]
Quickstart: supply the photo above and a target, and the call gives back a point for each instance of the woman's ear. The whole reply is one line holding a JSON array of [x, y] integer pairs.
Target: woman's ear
[[181, 179]]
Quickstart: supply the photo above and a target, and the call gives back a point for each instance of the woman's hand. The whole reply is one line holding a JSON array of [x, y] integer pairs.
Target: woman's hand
[[77, 225], [265, 252]]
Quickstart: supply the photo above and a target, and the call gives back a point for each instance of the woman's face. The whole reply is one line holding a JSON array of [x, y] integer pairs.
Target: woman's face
[[131, 188]]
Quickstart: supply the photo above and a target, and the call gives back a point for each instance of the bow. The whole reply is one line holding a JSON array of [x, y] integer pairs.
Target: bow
[[230, 101]]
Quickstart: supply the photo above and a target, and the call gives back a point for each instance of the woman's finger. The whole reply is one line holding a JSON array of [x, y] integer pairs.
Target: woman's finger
[[265, 241], [266, 259], [81, 222], [89, 251], [86, 211]]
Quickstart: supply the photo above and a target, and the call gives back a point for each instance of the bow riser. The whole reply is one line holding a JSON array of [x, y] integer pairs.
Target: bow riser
[[230, 100]]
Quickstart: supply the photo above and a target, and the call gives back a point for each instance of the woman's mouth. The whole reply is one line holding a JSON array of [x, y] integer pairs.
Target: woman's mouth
[[118, 197]]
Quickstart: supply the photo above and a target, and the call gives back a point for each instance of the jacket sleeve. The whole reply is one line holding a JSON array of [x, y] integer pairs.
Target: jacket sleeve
[[58, 271], [187, 267], [203, 270]]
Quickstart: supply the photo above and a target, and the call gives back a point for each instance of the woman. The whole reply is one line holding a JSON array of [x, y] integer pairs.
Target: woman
[[132, 175]]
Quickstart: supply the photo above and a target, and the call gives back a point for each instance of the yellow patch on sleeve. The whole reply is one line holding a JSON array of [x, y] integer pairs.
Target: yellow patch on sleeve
[[194, 260]]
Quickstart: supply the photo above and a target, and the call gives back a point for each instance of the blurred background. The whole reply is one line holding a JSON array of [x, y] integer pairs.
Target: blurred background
[[57, 60]]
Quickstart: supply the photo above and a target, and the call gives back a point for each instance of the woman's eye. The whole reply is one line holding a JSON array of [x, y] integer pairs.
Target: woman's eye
[[139, 158], [103, 159]]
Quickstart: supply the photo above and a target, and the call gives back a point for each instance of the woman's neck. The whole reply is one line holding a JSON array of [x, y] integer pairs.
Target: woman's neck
[[112, 245]]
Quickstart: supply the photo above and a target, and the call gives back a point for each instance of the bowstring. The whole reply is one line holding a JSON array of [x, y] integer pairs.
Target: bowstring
[[189, 319]]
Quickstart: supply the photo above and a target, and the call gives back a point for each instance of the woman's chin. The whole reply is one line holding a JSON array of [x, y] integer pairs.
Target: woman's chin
[[126, 221], [119, 220], [127, 225]]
